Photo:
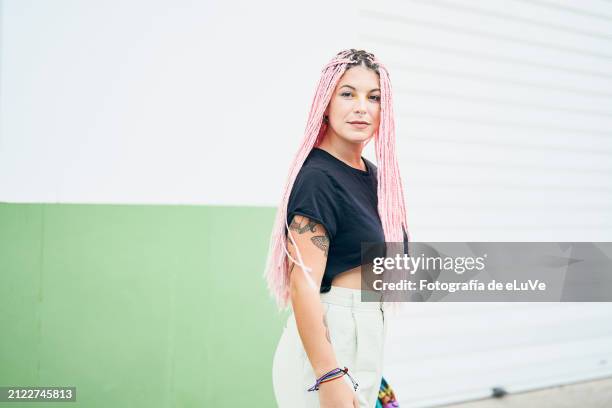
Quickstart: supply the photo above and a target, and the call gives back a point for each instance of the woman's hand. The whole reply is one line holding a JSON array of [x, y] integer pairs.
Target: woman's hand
[[337, 394]]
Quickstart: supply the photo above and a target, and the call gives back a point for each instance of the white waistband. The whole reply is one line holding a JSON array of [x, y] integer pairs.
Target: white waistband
[[354, 298]]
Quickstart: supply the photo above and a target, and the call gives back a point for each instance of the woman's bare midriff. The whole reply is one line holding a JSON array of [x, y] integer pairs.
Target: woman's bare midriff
[[348, 279]]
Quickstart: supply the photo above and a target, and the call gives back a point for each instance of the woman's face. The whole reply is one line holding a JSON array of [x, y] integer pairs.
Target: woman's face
[[355, 99]]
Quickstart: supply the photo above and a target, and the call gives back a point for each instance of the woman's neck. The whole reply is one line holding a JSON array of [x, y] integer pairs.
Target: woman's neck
[[350, 153]]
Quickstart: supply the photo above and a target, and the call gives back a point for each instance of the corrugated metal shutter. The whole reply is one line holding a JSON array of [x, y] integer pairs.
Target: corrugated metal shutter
[[505, 134]]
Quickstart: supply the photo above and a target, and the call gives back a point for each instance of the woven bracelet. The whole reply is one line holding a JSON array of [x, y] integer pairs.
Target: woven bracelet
[[333, 375]]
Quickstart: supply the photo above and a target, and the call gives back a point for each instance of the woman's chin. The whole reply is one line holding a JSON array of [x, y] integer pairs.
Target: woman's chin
[[357, 138]]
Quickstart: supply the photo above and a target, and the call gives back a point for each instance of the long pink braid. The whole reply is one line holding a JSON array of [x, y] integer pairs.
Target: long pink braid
[[391, 207]]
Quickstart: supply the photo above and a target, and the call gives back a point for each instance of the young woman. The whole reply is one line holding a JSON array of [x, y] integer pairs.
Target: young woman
[[331, 350]]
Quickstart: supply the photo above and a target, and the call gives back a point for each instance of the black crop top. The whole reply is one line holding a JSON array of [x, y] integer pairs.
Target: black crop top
[[344, 200]]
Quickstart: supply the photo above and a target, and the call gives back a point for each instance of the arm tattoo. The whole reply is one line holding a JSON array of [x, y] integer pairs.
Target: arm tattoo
[[326, 329], [321, 242], [306, 224], [300, 228]]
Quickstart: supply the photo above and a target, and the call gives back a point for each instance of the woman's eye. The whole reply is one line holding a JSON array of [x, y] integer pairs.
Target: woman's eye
[[373, 97]]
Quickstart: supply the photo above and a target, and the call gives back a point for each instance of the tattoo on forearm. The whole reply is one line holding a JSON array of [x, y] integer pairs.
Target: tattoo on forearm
[[321, 242], [326, 329], [302, 226]]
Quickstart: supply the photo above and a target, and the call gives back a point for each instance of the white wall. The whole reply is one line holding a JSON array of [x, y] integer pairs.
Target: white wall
[[504, 108], [504, 126], [157, 101]]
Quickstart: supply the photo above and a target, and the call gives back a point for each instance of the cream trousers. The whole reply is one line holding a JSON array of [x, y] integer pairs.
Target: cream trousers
[[357, 330]]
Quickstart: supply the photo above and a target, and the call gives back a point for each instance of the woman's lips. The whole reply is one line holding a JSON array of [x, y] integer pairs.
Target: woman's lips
[[359, 125]]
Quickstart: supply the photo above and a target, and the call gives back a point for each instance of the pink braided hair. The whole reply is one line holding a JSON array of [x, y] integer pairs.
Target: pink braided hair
[[391, 207]]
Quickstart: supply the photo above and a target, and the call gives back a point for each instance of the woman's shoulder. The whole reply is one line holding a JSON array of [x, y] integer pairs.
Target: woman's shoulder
[[315, 175]]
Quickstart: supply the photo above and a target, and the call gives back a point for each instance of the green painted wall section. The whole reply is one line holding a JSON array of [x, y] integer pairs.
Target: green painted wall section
[[138, 306]]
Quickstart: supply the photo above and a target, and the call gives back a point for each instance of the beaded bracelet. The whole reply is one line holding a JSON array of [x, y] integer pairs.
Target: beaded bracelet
[[333, 375]]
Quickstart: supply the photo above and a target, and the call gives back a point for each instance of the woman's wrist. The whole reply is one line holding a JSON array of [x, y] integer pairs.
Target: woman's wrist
[[319, 370], [332, 375]]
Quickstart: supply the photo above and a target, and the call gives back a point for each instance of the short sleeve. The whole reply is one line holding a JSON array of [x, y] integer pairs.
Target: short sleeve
[[313, 195]]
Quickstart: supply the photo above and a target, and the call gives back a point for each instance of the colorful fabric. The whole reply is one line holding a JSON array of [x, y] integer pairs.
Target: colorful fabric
[[386, 396]]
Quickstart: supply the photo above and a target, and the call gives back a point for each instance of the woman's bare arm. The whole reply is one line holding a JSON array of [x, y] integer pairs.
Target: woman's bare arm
[[313, 243]]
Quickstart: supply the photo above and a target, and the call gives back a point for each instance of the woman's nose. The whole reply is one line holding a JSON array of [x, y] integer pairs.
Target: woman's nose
[[360, 105]]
